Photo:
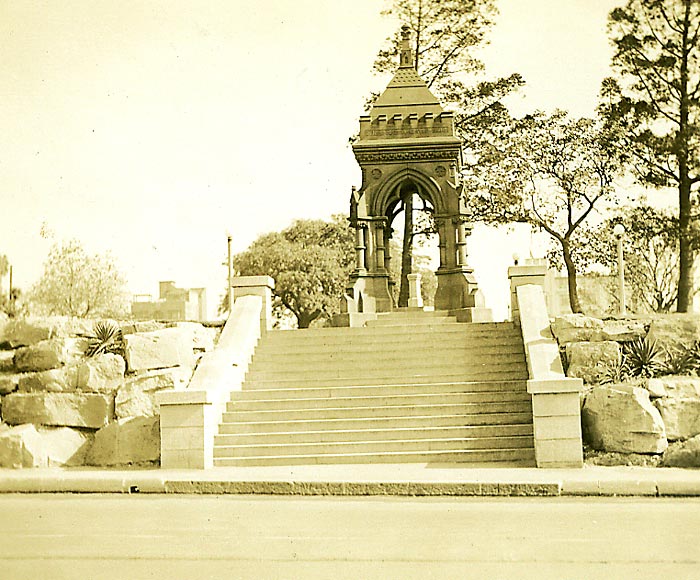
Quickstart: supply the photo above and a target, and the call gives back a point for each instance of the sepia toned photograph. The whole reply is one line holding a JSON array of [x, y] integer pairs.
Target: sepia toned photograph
[[381, 289]]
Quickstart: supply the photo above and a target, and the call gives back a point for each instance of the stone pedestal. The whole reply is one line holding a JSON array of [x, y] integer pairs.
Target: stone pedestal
[[458, 292], [369, 293], [415, 300]]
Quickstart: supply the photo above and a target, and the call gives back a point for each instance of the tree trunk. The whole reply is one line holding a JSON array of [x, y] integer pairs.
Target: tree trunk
[[407, 250], [685, 270], [685, 274], [571, 276], [304, 319]]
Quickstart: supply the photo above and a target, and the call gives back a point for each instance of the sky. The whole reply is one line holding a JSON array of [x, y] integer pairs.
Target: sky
[[152, 129]]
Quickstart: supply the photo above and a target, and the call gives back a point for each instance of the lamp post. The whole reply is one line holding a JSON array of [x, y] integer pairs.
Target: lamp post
[[619, 232], [230, 275]]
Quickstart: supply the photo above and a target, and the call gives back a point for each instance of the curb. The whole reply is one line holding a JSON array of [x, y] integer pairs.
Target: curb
[[361, 489], [74, 484], [157, 484], [632, 488]]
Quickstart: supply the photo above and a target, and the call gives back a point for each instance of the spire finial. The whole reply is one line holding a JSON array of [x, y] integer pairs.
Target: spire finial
[[405, 51]]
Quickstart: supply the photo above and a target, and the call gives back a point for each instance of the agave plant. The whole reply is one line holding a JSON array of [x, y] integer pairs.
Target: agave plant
[[107, 338], [615, 372], [644, 358], [680, 362]]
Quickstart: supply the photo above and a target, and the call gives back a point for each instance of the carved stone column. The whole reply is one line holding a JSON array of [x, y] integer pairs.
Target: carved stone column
[[360, 248]]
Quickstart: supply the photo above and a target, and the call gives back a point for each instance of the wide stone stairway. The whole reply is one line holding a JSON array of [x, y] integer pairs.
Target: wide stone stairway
[[410, 387]]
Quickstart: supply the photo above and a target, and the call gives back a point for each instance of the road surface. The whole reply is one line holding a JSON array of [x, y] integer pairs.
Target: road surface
[[199, 537]]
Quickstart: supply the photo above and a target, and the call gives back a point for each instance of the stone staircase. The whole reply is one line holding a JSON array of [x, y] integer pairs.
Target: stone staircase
[[411, 387]]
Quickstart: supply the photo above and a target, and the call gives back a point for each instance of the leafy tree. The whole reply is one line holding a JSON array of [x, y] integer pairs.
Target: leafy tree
[[655, 95], [551, 172], [446, 34], [651, 255], [75, 283], [310, 262]]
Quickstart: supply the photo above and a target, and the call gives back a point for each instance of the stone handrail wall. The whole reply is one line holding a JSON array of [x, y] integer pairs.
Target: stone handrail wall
[[190, 418], [555, 398]]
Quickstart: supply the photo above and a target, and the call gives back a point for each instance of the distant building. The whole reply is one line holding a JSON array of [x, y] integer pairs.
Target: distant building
[[173, 304]]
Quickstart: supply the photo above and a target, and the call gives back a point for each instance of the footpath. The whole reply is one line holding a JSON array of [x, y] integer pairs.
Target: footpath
[[384, 479]]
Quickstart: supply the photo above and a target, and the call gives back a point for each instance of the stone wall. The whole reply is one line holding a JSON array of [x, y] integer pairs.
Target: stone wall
[[61, 407], [640, 415]]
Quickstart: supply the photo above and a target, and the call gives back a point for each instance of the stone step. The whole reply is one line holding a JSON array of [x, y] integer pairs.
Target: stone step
[[397, 354], [344, 362], [524, 406], [400, 345], [411, 321], [376, 401], [275, 425], [467, 370], [341, 365], [365, 333], [411, 313], [279, 382], [378, 447], [401, 433], [524, 456], [383, 390]]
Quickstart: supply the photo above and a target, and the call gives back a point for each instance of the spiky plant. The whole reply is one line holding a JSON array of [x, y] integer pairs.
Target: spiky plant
[[615, 372], [644, 358], [680, 362], [107, 338]]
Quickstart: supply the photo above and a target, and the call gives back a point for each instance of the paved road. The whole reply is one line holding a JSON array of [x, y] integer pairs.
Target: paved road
[[131, 537]]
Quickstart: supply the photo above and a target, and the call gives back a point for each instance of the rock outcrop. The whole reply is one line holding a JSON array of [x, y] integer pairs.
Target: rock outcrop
[[101, 374], [678, 401], [87, 410], [27, 446], [126, 441], [621, 418], [170, 347], [590, 360]]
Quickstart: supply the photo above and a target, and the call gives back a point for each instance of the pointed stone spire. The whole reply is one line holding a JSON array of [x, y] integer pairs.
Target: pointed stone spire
[[405, 50]]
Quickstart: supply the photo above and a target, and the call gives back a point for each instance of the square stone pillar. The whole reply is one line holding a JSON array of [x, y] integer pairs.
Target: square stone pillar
[[256, 286], [522, 274]]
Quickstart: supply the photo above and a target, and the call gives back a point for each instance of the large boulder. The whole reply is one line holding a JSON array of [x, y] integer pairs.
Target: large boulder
[[683, 453], [101, 374], [621, 330], [675, 330], [621, 418], [591, 360], [678, 401], [142, 326], [134, 440], [27, 446], [202, 337], [170, 347], [54, 380], [575, 328], [49, 354], [7, 364], [88, 410], [137, 396], [18, 332], [9, 383]]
